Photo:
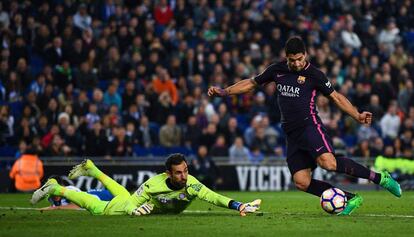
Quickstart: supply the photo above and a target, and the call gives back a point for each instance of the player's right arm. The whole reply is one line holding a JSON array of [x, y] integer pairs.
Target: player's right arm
[[246, 85], [199, 190], [240, 87]]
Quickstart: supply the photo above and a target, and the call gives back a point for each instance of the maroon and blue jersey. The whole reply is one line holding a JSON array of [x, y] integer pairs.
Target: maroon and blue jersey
[[296, 92]]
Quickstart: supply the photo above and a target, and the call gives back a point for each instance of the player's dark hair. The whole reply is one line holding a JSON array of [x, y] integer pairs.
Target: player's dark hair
[[174, 159], [295, 45]]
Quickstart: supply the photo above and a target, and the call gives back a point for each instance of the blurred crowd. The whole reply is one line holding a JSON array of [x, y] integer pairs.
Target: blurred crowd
[[129, 78]]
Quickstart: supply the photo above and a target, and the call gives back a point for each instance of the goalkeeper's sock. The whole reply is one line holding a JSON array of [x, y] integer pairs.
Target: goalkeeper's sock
[[57, 190], [115, 188], [317, 187], [352, 168], [235, 205]]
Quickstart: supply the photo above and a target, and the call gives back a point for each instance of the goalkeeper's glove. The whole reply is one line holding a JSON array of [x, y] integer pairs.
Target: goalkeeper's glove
[[250, 207], [144, 209]]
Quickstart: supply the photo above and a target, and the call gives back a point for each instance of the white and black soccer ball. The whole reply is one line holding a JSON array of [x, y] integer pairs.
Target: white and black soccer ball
[[333, 200]]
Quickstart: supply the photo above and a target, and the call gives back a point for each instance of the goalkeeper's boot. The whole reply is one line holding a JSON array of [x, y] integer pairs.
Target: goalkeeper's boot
[[390, 184], [352, 205], [83, 169], [250, 207], [43, 191]]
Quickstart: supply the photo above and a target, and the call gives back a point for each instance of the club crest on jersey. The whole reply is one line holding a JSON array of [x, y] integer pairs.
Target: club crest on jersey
[[181, 196], [301, 79]]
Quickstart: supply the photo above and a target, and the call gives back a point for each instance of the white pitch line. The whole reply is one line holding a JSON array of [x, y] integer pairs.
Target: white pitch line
[[20, 208], [215, 212], [381, 215], [34, 209], [219, 212], [363, 215]]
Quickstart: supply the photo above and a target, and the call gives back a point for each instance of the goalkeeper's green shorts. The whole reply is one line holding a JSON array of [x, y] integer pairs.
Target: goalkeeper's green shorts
[[119, 205]]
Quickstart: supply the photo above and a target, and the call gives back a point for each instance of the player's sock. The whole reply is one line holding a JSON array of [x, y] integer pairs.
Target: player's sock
[[235, 205], [317, 187], [350, 167], [110, 184]]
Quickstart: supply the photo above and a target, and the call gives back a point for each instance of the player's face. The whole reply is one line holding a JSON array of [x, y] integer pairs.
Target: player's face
[[296, 62], [179, 174]]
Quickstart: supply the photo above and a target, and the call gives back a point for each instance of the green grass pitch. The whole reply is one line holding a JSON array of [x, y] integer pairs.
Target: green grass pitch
[[283, 214]]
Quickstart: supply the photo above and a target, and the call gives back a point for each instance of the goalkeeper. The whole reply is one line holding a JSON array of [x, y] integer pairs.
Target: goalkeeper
[[169, 192]]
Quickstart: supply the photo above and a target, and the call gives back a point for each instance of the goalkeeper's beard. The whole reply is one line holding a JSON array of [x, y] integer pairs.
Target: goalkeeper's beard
[[180, 184]]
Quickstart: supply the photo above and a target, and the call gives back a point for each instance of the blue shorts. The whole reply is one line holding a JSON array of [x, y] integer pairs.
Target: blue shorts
[[306, 144], [102, 194]]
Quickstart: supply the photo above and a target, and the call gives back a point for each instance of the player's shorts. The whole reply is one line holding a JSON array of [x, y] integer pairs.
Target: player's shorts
[[102, 194], [119, 205], [304, 145]]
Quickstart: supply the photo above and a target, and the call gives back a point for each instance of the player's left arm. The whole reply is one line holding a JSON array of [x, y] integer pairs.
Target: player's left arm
[[345, 105], [324, 85]]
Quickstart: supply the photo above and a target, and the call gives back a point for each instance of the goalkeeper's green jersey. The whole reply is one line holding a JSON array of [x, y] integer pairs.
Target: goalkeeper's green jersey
[[166, 199]]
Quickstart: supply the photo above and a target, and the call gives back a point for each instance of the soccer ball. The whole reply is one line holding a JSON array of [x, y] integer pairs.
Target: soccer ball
[[333, 200]]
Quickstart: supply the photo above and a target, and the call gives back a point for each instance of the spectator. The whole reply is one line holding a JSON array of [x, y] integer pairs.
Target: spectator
[[170, 133], [163, 13], [163, 83], [120, 146], [231, 131], [85, 78], [72, 140], [57, 147], [81, 19], [389, 36], [95, 140], [81, 105], [405, 95], [363, 150], [209, 135], [191, 133], [250, 132], [377, 147], [255, 155], [349, 37], [6, 124], [260, 141], [129, 95], [390, 123], [219, 148], [112, 97], [238, 153], [147, 137], [55, 55], [4, 17], [204, 168], [92, 117], [163, 108]]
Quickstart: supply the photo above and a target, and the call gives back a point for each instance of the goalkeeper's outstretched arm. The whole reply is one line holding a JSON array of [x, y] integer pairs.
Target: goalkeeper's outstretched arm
[[202, 192]]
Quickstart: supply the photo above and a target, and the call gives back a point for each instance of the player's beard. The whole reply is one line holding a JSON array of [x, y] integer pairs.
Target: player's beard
[[180, 184], [295, 68]]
